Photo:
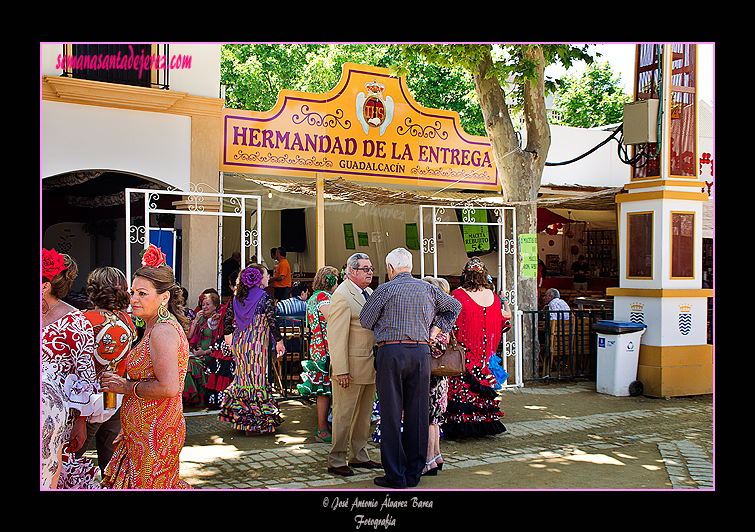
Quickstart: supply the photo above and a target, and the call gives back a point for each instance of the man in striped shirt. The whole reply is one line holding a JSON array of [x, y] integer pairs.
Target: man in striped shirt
[[401, 313]]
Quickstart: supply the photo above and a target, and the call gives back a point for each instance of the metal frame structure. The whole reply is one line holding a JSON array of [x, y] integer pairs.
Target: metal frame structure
[[507, 248], [193, 203]]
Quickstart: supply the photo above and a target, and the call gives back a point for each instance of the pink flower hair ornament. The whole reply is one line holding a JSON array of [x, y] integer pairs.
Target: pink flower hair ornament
[[152, 256], [52, 263]]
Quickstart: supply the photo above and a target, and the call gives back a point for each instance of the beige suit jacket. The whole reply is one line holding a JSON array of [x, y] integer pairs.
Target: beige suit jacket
[[350, 345]]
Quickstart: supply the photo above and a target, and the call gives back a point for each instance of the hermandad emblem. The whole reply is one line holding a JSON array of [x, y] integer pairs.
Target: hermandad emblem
[[637, 314], [685, 319], [373, 108]]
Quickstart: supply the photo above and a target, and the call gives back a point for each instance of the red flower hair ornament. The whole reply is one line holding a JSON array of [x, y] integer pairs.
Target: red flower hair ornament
[[52, 263], [152, 256]]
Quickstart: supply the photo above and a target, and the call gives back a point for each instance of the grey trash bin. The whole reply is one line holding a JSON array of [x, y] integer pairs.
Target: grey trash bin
[[618, 356]]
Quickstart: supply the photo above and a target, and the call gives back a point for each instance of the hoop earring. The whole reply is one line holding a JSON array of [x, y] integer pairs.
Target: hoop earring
[[162, 312]]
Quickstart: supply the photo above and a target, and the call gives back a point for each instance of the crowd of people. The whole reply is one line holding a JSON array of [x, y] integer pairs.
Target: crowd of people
[[119, 375], [105, 378]]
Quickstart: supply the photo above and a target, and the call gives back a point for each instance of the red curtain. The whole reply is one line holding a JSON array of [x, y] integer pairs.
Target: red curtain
[[546, 218]]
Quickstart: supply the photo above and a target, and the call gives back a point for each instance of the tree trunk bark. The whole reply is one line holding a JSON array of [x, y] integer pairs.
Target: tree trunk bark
[[520, 172]]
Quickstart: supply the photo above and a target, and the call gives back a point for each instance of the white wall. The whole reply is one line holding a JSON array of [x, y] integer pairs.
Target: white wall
[[203, 78], [390, 223], [602, 168], [86, 137]]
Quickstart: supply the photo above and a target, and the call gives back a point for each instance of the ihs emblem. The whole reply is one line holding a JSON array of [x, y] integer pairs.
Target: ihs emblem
[[374, 109]]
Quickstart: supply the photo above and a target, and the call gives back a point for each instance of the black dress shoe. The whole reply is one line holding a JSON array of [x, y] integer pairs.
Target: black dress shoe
[[369, 464], [383, 483], [341, 470]]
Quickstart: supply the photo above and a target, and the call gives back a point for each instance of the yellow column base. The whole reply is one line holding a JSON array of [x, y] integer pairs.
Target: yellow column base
[[673, 371]]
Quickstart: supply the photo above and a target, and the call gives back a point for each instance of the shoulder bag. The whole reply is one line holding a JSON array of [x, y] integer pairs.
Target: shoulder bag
[[452, 363]]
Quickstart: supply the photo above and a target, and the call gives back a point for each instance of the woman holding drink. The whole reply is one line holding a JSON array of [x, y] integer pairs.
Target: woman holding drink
[[114, 332], [153, 429]]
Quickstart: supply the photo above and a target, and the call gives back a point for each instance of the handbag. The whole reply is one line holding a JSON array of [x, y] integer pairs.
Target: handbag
[[452, 363]]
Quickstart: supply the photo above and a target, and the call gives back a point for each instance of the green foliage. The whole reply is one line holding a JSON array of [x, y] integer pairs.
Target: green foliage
[[510, 65], [439, 75], [254, 74], [591, 100]]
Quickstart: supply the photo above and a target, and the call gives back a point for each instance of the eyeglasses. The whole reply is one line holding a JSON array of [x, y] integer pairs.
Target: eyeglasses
[[366, 269]]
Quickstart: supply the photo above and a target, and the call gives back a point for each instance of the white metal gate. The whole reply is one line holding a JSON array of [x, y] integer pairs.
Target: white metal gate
[[507, 249], [196, 203]]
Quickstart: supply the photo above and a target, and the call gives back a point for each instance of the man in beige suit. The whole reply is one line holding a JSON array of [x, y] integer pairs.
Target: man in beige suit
[[352, 369]]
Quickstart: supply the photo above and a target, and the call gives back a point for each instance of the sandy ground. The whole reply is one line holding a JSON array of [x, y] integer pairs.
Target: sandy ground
[[559, 437]]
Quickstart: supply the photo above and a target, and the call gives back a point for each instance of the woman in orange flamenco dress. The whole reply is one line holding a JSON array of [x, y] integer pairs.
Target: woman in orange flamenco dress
[[153, 427]]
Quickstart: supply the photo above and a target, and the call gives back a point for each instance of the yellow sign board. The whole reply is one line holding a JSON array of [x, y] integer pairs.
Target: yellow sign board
[[368, 128]]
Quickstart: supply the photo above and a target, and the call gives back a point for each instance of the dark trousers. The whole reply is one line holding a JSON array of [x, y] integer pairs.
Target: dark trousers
[[281, 292], [403, 387]]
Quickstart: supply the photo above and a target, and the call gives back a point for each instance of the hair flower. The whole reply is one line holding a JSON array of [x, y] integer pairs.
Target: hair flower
[[152, 256], [475, 265], [52, 263], [251, 277]]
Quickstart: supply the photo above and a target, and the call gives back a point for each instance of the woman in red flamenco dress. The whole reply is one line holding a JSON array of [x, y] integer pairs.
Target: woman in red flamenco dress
[[473, 408]]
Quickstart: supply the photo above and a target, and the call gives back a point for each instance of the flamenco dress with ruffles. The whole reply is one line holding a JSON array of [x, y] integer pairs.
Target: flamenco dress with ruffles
[[315, 376], [473, 408], [248, 403], [219, 363], [194, 392], [69, 388], [153, 430]]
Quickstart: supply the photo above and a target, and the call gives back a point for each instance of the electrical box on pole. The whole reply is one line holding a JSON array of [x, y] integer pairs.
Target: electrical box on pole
[[641, 122]]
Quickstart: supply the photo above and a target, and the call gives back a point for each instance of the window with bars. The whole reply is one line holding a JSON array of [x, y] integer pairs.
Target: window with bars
[[126, 64]]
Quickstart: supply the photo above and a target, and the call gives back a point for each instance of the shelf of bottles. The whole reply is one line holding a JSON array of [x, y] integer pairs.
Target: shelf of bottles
[[602, 253]]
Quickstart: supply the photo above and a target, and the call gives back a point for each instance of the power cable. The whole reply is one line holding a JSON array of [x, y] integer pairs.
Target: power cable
[[642, 153]]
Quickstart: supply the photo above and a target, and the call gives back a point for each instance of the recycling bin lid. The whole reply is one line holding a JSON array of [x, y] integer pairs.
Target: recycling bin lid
[[617, 327]]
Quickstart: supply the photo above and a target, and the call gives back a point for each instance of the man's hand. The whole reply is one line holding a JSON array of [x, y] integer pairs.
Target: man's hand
[[344, 379]]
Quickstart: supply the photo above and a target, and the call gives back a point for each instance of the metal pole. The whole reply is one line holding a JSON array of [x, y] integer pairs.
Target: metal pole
[[421, 243]]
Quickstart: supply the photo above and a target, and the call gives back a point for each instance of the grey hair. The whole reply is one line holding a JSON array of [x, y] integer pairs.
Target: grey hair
[[553, 292], [353, 261], [399, 259], [440, 282]]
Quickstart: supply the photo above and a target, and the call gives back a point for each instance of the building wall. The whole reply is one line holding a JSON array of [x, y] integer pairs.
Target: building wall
[[87, 137], [171, 137]]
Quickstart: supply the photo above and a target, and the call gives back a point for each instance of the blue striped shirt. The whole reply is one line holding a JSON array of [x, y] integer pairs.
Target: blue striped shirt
[[404, 308], [293, 306]]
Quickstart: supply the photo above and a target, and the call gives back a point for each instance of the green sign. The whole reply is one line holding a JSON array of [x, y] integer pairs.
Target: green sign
[[528, 252], [477, 237], [412, 236], [348, 234], [363, 239]]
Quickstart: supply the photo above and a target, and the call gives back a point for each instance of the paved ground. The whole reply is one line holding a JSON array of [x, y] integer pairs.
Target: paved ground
[[559, 437]]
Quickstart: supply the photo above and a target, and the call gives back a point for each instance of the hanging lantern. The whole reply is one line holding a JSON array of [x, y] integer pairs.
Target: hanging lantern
[[569, 233], [574, 250]]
